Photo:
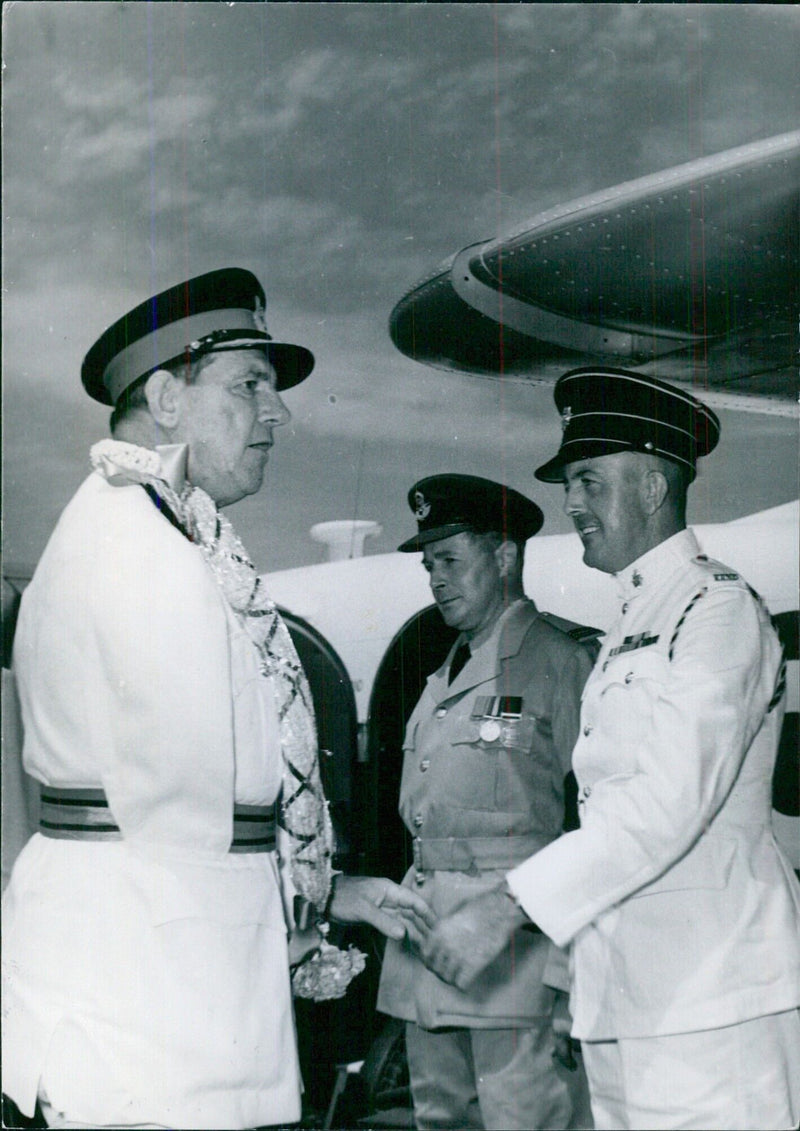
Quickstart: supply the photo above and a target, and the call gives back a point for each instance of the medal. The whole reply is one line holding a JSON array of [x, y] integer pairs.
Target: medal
[[490, 730]]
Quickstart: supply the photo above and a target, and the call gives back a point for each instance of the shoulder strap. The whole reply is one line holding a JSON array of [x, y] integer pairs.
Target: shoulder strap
[[580, 633]]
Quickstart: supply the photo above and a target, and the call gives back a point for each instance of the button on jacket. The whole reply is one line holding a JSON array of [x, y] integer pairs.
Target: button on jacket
[[682, 910], [479, 792]]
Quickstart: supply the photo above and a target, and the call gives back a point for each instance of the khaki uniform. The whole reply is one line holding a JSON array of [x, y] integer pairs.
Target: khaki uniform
[[480, 792]]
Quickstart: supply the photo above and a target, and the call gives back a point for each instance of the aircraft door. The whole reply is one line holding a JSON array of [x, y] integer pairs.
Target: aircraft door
[[337, 728], [419, 648]]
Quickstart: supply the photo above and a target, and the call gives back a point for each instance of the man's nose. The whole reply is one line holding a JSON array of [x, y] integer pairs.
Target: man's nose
[[436, 578], [271, 409], [572, 504]]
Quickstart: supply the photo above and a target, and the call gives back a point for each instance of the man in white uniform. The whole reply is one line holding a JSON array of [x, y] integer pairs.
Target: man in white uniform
[[146, 973], [681, 910]]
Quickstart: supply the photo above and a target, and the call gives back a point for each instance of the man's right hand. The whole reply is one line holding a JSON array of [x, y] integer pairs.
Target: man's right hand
[[465, 942], [394, 910]]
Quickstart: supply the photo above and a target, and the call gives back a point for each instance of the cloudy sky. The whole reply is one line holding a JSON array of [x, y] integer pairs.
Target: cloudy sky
[[340, 151]]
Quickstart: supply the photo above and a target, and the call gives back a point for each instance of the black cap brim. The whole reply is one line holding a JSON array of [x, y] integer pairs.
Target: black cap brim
[[436, 534]]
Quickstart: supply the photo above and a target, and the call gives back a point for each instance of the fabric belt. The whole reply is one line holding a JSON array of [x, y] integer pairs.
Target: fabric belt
[[84, 814], [473, 854]]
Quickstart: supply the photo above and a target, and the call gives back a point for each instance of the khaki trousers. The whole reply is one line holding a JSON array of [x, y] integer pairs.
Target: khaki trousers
[[498, 1079]]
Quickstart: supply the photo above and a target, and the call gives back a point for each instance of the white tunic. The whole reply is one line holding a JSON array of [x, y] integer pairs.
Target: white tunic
[[683, 912], [146, 980]]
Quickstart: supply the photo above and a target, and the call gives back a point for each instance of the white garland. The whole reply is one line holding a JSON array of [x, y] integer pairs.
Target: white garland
[[304, 808]]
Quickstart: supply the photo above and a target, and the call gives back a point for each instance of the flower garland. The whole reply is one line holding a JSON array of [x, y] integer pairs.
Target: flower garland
[[304, 809]]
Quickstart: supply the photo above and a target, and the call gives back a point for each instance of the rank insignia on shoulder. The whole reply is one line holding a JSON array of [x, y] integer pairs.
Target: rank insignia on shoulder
[[584, 633], [631, 643], [726, 576]]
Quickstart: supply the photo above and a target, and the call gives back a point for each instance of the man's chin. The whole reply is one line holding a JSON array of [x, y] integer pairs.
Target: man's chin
[[595, 561], [448, 616], [251, 486]]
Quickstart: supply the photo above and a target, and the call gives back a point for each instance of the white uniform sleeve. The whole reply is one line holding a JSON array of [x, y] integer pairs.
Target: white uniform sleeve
[[700, 718]]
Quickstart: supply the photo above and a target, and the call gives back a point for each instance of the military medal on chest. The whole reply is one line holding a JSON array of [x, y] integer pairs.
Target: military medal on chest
[[498, 718], [490, 730]]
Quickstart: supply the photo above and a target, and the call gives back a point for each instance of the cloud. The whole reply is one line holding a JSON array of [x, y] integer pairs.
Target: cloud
[[340, 151]]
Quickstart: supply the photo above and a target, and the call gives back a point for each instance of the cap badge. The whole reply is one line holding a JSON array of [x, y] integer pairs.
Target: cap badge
[[423, 509], [566, 416], [260, 315]]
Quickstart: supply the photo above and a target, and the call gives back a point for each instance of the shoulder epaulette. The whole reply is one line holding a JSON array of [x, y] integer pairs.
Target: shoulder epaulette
[[584, 633], [580, 633], [718, 570]]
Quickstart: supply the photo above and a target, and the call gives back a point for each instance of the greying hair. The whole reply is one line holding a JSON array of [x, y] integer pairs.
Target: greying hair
[[134, 398], [495, 538]]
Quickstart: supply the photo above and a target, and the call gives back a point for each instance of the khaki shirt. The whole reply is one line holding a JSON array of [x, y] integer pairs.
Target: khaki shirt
[[482, 788]]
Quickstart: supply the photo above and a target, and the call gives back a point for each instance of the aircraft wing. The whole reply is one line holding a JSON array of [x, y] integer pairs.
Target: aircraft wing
[[691, 274]]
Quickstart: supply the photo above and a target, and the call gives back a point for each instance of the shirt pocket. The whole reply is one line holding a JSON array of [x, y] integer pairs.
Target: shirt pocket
[[472, 777]]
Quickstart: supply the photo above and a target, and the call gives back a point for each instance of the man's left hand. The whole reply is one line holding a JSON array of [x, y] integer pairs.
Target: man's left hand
[[396, 911], [463, 943]]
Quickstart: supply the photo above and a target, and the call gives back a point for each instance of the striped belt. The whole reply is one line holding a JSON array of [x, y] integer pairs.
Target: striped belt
[[83, 814]]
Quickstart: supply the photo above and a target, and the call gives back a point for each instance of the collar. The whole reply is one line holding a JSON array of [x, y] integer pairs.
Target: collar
[[499, 628], [652, 568], [174, 459], [121, 463]]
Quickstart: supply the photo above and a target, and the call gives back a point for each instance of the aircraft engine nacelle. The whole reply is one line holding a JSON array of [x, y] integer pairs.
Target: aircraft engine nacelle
[[690, 274]]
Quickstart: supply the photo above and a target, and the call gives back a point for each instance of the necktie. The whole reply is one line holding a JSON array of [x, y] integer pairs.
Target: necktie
[[460, 657]]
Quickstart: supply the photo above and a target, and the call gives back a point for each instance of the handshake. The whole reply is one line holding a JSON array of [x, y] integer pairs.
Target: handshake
[[456, 947]]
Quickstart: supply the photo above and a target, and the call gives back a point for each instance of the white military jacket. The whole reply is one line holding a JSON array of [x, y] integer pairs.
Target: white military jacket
[[683, 912], [482, 788], [146, 979]]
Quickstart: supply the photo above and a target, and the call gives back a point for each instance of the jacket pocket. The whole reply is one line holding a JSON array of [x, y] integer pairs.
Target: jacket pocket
[[631, 669], [706, 866]]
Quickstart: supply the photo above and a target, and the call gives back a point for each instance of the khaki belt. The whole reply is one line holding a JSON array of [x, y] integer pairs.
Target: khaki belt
[[473, 854], [84, 814]]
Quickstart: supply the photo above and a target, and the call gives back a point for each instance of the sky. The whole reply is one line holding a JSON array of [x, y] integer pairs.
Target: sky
[[340, 151]]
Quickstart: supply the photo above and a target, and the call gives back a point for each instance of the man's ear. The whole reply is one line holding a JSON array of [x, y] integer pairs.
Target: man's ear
[[162, 390], [506, 556], [655, 489]]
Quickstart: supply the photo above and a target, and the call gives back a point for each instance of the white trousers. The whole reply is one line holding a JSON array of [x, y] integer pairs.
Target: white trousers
[[742, 1077], [55, 1118]]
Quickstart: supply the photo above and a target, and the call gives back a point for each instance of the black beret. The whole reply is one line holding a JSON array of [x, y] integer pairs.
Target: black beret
[[445, 505], [614, 410], [220, 310]]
